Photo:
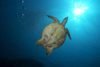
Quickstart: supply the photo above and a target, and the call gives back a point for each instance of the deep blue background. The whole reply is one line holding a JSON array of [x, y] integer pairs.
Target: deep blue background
[[18, 35]]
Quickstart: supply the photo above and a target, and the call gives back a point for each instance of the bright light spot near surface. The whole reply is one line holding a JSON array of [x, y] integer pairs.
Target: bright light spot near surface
[[75, 18], [79, 8], [78, 11]]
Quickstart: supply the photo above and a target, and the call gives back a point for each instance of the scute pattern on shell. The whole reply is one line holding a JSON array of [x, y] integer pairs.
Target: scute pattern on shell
[[54, 34]]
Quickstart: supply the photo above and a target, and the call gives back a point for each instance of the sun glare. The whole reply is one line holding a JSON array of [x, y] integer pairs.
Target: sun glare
[[75, 18], [79, 9]]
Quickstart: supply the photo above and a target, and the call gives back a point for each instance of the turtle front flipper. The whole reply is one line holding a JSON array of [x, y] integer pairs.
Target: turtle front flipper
[[39, 42], [49, 50], [55, 19], [64, 21], [67, 32]]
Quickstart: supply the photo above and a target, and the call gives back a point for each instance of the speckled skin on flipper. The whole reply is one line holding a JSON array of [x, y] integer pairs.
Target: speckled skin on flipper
[[53, 35]]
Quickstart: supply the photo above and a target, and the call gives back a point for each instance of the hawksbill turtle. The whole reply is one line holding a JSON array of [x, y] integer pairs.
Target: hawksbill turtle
[[53, 35]]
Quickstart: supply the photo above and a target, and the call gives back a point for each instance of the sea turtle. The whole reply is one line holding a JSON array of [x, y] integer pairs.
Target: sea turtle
[[53, 35]]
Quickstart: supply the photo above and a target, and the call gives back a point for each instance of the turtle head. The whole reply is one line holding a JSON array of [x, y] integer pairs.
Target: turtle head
[[64, 21]]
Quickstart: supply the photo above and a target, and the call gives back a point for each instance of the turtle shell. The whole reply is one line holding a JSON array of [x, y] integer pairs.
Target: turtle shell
[[54, 35]]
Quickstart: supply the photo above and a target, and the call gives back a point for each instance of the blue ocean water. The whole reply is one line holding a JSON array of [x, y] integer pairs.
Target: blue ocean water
[[21, 25]]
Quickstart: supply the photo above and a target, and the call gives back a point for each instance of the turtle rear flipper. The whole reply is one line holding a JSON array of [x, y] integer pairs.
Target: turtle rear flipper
[[49, 51], [39, 42]]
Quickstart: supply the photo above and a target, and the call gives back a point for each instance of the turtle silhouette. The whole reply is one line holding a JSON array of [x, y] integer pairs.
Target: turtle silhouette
[[53, 35]]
